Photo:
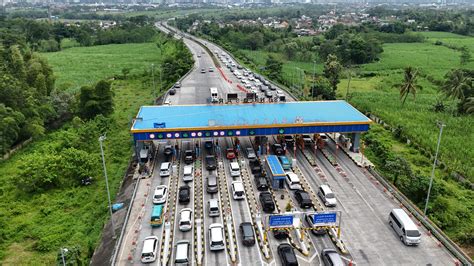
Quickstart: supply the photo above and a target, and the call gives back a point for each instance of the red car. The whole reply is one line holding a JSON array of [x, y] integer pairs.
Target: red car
[[230, 153]]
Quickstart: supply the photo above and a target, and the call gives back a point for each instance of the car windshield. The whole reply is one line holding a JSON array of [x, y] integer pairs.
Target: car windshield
[[183, 192], [247, 230], [147, 255], [413, 233], [330, 196]]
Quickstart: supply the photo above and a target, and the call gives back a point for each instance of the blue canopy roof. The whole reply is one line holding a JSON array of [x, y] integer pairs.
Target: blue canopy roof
[[275, 167], [202, 117]]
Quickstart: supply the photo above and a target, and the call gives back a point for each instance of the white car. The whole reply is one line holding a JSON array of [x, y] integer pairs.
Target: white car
[[216, 236], [234, 169], [149, 250], [165, 169], [161, 193], [238, 190], [307, 139], [186, 219], [188, 173]]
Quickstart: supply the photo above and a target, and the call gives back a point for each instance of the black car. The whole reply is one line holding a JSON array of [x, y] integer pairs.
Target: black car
[[266, 200], [211, 163], [256, 169], [208, 145], [173, 91], [303, 198], [309, 220], [253, 162], [168, 150], [287, 255], [262, 183], [277, 149], [184, 194], [248, 237], [281, 234], [289, 140]]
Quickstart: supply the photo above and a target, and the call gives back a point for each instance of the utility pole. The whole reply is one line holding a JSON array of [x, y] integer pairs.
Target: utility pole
[[153, 78], [441, 125], [62, 257], [161, 83], [314, 71], [101, 139], [348, 84]]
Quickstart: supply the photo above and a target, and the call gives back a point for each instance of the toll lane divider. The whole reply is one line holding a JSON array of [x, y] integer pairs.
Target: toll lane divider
[[224, 75], [198, 211], [226, 210], [170, 214]]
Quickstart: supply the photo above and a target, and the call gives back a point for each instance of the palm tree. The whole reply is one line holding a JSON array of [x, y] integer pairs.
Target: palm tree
[[468, 105], [409, 84], [456, 85]]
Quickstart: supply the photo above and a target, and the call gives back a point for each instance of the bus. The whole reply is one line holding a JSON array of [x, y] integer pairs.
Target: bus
[[157, 216], [214, 95]]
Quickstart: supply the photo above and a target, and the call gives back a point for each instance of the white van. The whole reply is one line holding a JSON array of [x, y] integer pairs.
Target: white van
[[234, 169], [182, 253], [216, 237], [165, 169], [188, 173], [213, 205], [150, 247], [238, 190], [404, 227], [293, 181], [185, 219], [327, 196]]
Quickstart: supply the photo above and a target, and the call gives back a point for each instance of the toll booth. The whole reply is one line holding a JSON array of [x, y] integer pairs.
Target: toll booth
[[275, 171]]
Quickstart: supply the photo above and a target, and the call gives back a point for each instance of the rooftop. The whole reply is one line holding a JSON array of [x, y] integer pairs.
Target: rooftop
[[205, 117]]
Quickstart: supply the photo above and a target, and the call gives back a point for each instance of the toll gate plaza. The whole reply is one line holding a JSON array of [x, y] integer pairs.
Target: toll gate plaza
[[203, 121]]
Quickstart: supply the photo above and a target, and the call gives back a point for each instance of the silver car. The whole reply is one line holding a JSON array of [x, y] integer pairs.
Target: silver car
[[251, 153]]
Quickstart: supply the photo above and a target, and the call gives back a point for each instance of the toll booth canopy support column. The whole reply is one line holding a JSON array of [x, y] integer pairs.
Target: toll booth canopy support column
[[355, 142]]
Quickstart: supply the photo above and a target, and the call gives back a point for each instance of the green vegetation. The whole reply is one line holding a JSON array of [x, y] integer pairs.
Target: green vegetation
[[43, 204], [77, 66], [35, 225]]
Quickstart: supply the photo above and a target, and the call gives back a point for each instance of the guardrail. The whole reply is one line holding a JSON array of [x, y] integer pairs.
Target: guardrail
[[418, 214], [118, 245]]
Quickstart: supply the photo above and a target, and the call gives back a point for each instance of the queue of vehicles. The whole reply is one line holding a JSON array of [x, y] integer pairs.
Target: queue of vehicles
[[398, 219]]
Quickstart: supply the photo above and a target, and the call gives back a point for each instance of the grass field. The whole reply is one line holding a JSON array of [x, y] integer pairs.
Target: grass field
[[33, 227], [78, 66]]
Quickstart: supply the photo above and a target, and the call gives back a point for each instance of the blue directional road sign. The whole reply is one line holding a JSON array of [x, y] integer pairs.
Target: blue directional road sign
[[325, 218], [281, 220]]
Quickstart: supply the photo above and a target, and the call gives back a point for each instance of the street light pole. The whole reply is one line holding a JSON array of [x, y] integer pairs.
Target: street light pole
[[153, 77], [101, 139], [441, 125], [314, 71], [161, 83]]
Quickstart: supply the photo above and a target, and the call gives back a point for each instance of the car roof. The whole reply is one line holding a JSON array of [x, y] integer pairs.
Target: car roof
[[186, 214], [160, 188], [238, 185], [148, 244]]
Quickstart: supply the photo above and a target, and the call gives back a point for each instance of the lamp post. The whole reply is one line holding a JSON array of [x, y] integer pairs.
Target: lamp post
[[441, 125], [153, 78], [101, 139]]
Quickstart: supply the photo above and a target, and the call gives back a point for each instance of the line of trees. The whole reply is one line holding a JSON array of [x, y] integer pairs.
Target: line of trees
[[46, 37]]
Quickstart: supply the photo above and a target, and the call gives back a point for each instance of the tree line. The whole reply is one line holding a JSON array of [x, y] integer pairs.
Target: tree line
[[43, 36]]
